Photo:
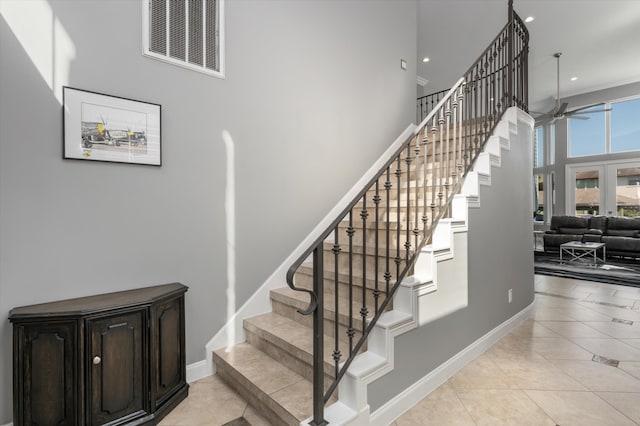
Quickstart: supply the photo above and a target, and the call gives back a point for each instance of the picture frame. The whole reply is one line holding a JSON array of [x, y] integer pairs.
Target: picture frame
[[100, 127]]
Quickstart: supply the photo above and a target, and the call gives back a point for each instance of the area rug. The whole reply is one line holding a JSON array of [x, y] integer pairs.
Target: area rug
[[614, 271]]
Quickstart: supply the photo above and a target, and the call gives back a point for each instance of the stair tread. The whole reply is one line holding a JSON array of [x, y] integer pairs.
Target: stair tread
[[287, 389]]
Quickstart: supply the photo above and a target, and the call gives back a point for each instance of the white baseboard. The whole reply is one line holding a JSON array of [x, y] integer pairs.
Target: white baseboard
[[197, 370], [8, 424], [408, 398]]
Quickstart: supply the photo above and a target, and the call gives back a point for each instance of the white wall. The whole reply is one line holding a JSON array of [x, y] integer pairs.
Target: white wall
[[313, 94]]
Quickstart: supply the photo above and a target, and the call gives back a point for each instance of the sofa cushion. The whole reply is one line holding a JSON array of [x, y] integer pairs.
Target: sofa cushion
[[598, 222], [623, 233], [569, 222], [573, 231], [622, 244], [623, 223]]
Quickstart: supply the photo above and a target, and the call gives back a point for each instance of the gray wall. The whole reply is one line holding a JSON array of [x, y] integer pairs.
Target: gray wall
[[313, 94], [500, 258], [561, 147]]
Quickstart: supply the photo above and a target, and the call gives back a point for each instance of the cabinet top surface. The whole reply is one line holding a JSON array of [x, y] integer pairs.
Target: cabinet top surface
[[89, 304]]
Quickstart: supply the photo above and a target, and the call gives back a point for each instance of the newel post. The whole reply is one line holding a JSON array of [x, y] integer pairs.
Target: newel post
[[318, 339]]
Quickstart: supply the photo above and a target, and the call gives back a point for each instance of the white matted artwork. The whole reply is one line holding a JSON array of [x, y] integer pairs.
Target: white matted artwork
[[101, 127]]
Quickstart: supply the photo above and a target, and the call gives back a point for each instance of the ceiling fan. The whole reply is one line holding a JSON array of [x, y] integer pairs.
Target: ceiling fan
[[560, 112]]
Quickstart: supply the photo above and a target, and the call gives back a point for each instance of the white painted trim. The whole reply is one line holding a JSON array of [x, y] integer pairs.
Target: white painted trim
[[423, 387], [197, 370], [259, 302]]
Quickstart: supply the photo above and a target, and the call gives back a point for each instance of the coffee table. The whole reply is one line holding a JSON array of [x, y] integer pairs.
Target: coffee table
[[577, 250]]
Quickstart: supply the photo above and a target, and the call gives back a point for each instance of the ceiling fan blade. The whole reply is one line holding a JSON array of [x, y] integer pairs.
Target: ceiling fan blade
[[571, 113], [586, 107], [562, 108], [573, 117], [543, 118]]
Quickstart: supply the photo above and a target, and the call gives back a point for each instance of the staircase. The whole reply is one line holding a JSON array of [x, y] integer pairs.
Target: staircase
[[366, 276]]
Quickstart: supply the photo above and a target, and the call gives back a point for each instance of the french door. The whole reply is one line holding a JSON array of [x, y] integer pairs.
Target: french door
[[611, 189]]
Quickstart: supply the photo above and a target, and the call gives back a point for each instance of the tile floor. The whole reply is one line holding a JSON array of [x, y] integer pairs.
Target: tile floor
[[576, 361]]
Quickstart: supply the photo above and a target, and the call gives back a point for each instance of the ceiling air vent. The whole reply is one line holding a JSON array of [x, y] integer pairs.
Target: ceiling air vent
[[187, 33]]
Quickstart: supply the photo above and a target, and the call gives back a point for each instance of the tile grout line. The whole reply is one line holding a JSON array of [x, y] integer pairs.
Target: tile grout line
[[455, 391], [615, 408], [524, 391]]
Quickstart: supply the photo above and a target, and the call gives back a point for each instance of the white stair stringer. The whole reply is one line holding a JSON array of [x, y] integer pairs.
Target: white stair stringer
[[430, 293]]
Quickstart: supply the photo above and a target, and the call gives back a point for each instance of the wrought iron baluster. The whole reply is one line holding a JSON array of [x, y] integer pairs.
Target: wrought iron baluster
[[434, 148], [447, 115], [454, 151], [387, 256], [407, 243], [398, 218], [441, 165], [350, 331], [376, 201], [416, 150], [318, 336], [474, 109], [461, 160], [425, 187], [336, 297], [364, 215]]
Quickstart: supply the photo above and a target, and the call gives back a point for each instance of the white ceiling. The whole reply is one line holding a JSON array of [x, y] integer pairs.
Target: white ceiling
[[599, 41]]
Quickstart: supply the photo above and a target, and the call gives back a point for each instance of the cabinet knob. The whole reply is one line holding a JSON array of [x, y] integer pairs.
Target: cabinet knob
[[97, 360]]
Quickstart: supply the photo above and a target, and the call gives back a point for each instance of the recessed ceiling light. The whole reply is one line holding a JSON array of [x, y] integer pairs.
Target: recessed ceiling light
[[425, 59], [574, 78], [529, 19]]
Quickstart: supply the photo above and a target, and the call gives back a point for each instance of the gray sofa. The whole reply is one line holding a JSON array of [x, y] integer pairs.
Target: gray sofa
[[621, 235]]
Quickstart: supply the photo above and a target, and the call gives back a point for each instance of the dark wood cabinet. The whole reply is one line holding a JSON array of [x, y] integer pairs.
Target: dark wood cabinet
[[111, 359]]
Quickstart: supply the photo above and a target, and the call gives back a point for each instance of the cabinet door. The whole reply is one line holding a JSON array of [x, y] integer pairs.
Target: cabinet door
[[167, 350], [44, 382], [116, 351]]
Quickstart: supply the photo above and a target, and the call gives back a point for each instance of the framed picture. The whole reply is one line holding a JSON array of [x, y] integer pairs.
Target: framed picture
[[100, 127]]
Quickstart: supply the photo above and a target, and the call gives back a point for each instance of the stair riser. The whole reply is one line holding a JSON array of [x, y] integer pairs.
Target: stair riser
[[441, 172], [329, 322], [407, 214], [306, 281], [391, 240], [303, 367], [357, 263]]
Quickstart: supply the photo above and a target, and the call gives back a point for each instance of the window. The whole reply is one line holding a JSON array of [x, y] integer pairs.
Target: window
[[188, 33], [538, 148], [587, 136], [543, 175], [587, 195], [625, 125], [616, 130], [628, 191], [539, 198]]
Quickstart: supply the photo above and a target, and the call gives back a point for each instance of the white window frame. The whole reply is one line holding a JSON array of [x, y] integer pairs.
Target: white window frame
[[546, 170], [186, 64]]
